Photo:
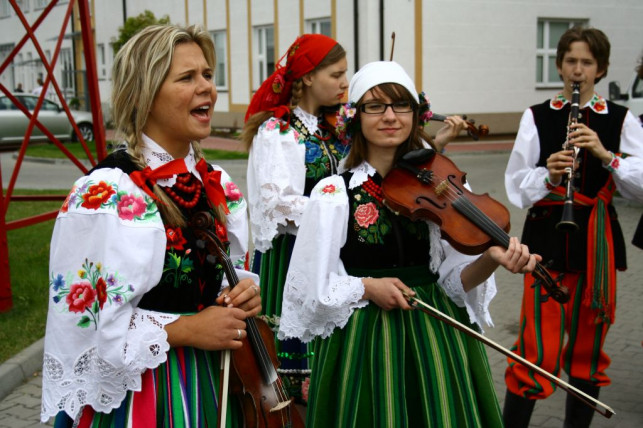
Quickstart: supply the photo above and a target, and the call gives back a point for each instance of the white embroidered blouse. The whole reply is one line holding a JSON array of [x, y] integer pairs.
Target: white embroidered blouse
[[320, 296], [96, 352], [276, 179]]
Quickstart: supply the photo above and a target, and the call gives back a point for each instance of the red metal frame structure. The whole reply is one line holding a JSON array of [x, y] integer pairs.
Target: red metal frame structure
[[99, 131]]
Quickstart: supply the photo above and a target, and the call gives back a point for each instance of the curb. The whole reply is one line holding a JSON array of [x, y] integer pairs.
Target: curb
[[21, 367]]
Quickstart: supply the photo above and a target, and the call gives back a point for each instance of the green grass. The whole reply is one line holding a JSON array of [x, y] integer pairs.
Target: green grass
[[28, 263], [52, 151]]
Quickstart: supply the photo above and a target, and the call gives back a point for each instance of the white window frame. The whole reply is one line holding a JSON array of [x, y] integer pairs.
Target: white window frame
[[316, 26], [546, 54], [264, 54], [101, 59], [220, 38]]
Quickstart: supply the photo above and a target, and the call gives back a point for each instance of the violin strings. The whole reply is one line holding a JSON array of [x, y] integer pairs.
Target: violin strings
[[261, 352], [472, 212]]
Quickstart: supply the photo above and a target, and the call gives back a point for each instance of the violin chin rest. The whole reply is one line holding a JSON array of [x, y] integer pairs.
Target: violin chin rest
[[419, 156]]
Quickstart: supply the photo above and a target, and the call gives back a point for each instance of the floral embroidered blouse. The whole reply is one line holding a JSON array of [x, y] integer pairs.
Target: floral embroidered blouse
[[284, 164], [341, 220], [117, 277]]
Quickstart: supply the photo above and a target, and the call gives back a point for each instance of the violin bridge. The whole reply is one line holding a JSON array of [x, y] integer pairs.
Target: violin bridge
[[281, 405], [441, 188]]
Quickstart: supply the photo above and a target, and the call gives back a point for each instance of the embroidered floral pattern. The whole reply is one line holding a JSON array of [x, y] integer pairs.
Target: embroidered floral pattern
[[597, 103], [129, 206], [366, 215], [97, 195], [372, 221], [88, 293], [175, 239], [177, 268], [320, 147]]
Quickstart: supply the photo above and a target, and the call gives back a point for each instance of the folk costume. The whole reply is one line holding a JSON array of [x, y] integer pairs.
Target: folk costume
[[373, 367], [118, 275], [588, 258], [291, 152]]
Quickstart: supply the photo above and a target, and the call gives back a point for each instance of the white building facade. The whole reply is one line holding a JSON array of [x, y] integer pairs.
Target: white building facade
[[487, 59]]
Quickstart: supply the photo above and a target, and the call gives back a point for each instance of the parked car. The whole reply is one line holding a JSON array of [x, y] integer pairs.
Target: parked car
[[632, 99], [13, 122]]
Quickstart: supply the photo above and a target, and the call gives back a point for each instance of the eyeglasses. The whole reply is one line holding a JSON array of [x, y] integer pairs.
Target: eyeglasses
[[380, 108]]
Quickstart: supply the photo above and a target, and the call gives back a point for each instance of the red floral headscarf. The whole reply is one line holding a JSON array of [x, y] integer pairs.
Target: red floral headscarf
[[302, 57]]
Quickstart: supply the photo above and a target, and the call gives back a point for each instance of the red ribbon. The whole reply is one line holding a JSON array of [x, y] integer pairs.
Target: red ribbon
[[168, 170], [212, 185]]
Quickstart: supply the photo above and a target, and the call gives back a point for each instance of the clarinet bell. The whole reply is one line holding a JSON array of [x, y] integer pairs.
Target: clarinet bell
[[567, 223]]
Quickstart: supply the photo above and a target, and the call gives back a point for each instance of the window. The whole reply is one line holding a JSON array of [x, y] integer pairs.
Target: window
[[102, 66], [40, 4], [68, 77], [220, 72], [23, 5], [318, 26], [5, 8], [549, 32], [264, 54]]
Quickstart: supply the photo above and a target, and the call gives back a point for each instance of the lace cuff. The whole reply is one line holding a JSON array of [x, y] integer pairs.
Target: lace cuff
[[305, 316], [94, 381]]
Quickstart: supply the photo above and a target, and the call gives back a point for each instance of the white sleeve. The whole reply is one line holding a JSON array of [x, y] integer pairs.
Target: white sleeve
[[476, 300], [319, 295], [237, 227], [524, 181], [276, 179], [629, 175], [107, 251]]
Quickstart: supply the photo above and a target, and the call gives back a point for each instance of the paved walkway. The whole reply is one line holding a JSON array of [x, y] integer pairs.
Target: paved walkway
[[484, 162]]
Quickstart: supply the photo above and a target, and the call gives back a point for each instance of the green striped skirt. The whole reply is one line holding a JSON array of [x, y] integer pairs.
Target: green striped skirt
[[293, 355], [402, 368]]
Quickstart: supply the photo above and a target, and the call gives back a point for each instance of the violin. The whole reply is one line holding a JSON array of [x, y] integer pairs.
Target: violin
[[254, 378], [427, 185]]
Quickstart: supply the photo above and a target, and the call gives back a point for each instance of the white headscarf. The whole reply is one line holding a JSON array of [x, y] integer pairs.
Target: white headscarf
[[376, 73]]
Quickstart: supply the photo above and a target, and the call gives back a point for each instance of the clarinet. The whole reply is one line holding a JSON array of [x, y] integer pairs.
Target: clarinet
[[567, 223]]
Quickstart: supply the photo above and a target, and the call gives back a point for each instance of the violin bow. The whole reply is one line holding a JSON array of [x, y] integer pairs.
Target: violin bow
[[225, 381], [430, 310], [392, 45]]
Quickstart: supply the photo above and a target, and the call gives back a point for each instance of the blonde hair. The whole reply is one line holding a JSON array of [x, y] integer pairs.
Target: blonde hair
[[140, 68]]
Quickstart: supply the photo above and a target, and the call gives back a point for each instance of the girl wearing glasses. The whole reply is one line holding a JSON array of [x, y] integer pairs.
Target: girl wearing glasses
[[377, 363]]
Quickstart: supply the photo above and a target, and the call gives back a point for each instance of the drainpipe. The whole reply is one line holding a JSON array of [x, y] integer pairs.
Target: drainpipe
[[381, 30], [356, 34]]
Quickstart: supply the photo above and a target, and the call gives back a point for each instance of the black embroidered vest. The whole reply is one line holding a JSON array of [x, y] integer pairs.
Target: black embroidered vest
[[568, 251]]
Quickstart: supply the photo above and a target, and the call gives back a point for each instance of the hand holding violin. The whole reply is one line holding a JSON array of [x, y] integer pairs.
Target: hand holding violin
[[453, 126], [515, 258], [197, 330], [245, 295]]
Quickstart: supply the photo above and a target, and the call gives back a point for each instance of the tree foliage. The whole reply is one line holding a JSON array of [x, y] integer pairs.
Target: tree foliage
[[134, 24]]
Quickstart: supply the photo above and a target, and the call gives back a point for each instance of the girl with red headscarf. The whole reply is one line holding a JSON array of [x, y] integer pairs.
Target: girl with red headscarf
[[290, 151]]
